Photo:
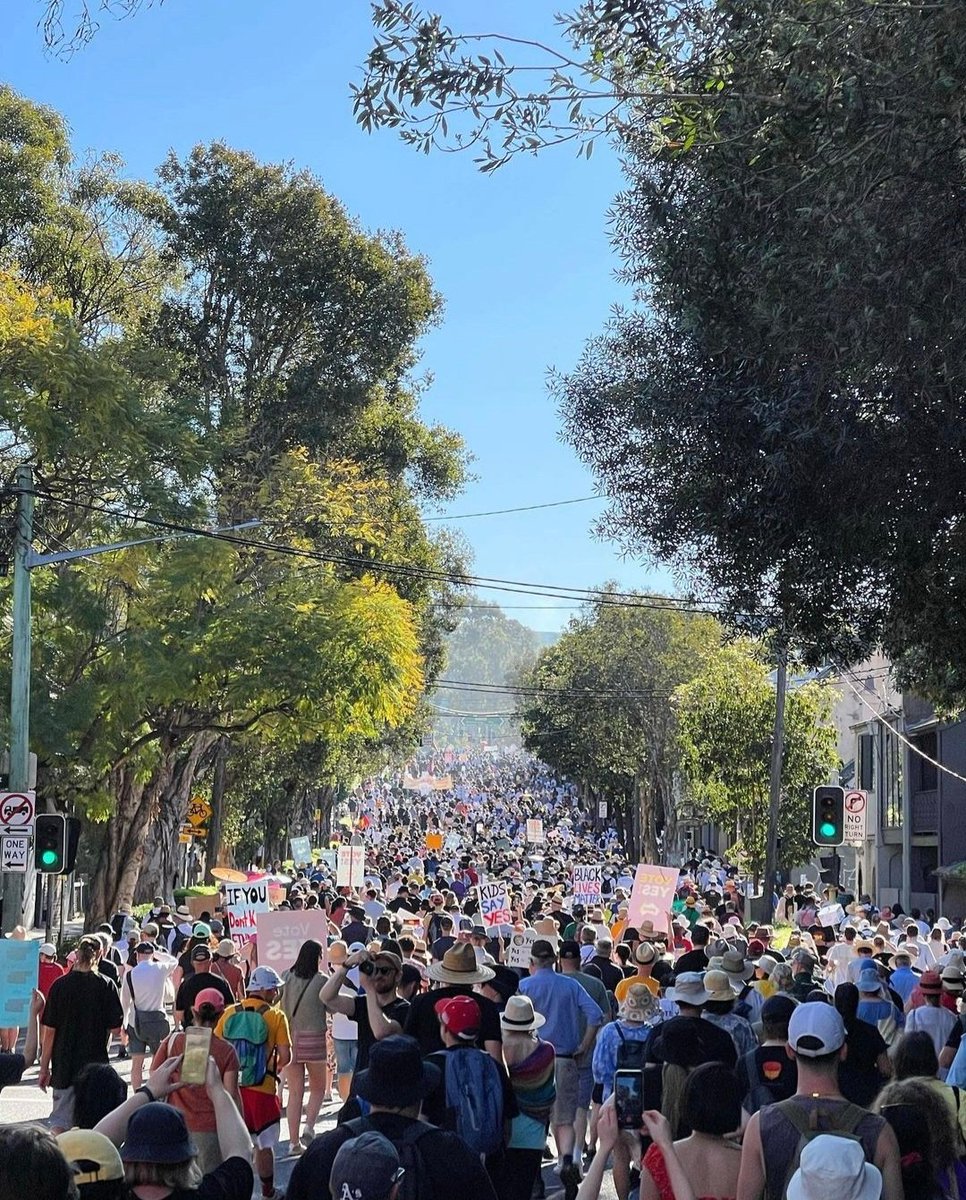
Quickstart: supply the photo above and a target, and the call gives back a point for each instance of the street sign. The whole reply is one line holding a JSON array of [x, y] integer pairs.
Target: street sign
[[15, 852], [856, 818], [199, 811], [17, 811]]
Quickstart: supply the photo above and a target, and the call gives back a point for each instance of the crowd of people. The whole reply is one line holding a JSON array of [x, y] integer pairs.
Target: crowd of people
[[471, 1035]]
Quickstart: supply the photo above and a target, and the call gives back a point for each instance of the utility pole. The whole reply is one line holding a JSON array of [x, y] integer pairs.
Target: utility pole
[[13, 884], [775, 783]]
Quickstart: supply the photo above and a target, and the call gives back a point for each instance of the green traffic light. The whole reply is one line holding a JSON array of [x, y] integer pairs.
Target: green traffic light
[[49, 857], [827, 829]]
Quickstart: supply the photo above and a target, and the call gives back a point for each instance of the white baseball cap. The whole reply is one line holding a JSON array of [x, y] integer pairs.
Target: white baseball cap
[[816, 1028]]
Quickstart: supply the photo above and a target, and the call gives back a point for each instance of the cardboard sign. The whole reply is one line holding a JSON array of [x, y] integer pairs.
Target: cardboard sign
[[652, 895], [494, 905], [243, 903], [281, 936], [351, 869], [535, 831], [587, 881], [830, 914], [518, 951], [301, 851], [18, 978]]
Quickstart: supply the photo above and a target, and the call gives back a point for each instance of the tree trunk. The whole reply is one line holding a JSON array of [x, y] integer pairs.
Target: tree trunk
[[216, 822], [159, 867], [122, 852]]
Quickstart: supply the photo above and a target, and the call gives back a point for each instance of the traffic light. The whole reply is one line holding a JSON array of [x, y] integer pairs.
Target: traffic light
[[828, 816], [50, 843]]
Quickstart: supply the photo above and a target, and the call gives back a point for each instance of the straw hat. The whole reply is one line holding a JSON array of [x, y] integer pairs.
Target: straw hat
[[519, 1015], [459, 966]]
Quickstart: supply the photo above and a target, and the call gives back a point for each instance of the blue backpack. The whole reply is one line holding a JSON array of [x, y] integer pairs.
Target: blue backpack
[[474, 1091], [247, 1030]]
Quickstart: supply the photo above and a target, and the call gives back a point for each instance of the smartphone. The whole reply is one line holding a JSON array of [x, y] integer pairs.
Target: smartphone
[[197, 1045], [629, 1098]]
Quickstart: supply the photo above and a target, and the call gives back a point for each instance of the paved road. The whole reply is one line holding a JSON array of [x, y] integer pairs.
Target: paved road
[[26, 1102]]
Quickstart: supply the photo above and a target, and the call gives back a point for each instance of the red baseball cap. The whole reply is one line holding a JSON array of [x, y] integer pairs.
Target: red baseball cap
[[460, 1015]]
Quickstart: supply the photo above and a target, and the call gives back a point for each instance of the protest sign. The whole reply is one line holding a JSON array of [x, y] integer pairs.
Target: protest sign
[[494, 905], [518, 951], [18, 978], [652, 895], [243, 901], [587, 881], [831, 914], [351, 870], [301, 851], [535, 831], [281, 935]]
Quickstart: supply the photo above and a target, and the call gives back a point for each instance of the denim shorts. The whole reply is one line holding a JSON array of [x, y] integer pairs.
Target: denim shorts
[[346, 1050]]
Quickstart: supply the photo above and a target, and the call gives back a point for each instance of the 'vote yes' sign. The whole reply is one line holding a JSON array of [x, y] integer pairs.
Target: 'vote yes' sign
[[494, 905]]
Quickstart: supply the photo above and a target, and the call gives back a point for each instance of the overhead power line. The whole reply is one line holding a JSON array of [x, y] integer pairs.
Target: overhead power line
[[499, 512], [519, 587]]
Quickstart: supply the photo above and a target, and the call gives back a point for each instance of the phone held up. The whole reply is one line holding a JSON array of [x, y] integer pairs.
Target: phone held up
[[629, 1098], [197, 1046]]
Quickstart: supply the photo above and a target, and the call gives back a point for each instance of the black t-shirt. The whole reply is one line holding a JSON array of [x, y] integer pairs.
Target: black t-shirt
[[859, 1078], [107, 969], [770, 1066], [189, 989], [694, 960], [440, 946], [450, 1166], [233, 1179], [422, 1022], [396, 1011], [434, 1105], [83, 1008]]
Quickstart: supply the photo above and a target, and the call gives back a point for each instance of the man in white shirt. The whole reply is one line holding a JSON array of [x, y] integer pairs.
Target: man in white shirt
[[144, 988], [839, 957]]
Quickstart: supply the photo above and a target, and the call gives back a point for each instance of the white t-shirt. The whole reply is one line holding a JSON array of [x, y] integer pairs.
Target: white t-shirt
[[938, 1022], [148, 981], [343, 1027]]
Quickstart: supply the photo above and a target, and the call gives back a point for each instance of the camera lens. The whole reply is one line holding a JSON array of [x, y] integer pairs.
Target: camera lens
[[367, 967]]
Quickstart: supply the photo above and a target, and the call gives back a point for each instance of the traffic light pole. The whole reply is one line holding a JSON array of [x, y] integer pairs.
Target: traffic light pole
[[13, 884]]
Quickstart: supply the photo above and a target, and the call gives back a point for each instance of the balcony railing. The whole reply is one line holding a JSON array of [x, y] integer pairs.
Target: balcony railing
[[925, 812]]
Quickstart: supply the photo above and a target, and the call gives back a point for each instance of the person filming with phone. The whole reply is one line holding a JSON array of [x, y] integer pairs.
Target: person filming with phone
[[379, 1012]]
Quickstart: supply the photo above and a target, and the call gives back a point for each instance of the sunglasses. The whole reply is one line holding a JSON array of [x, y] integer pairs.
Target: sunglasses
[[383, 970]]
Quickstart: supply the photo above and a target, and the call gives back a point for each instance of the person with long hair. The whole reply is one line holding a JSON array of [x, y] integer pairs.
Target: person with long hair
[[530, 1064], [866, 1066], [920, 1176], [307, 1022], [914, 1057], [943, 1149]]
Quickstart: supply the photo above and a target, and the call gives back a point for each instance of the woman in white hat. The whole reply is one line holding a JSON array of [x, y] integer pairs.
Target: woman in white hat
[[834, 1166], [530, 1064]]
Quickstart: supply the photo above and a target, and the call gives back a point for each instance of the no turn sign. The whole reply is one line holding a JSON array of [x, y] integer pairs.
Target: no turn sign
[[856, 818]]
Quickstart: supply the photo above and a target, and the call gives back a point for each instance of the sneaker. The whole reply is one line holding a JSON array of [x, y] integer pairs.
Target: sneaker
[[570, 1178], [308, 1136], [539, 1189], [121, 1054]]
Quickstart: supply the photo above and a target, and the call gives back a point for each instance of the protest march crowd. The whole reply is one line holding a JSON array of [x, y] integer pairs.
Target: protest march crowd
[[483, 984]]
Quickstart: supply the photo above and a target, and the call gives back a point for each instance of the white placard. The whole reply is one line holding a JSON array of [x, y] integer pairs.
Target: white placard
[[15, 853], [351, 870], [535, 831], [518, 951], [494, 905]]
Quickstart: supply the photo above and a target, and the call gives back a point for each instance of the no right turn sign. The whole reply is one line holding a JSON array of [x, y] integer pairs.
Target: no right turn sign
[[856, 818]]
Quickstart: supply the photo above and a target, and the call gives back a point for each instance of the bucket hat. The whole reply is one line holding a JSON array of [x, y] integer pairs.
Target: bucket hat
[[397, 1076]]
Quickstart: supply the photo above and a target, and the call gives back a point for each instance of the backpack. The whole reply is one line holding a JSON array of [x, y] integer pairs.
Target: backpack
[[247, 1030], [475, 1091], [415, 1183], [743, 1007], [807, 1125], [759, 1090], [631, 1055]]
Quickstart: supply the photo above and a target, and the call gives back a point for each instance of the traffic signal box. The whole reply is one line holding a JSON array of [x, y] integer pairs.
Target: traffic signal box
[[828, 816], [56, 839]]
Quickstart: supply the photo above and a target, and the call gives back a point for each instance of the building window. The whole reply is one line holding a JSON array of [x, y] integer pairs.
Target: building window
[[888, 763]]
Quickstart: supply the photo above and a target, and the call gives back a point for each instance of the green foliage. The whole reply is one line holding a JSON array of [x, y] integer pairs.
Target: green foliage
[[723, 731]]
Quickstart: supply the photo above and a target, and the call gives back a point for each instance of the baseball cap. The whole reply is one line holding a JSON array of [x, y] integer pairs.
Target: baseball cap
[[569, 949], [48, 948], [201, 930], [365, 1168], [210, 996], [200, 953], [815, 1029], [93, 1156], [460, 1015], [264, 979], [142, 948]]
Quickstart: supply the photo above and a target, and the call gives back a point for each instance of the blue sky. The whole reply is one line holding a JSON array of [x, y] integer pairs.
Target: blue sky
[[521, 257]]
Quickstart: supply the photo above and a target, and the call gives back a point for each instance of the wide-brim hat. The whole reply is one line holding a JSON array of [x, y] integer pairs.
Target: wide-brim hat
[[157, 1133], [688, 989], [520, 1016], [397, 1075], [734, 965], [639, 1004], [459, 966]]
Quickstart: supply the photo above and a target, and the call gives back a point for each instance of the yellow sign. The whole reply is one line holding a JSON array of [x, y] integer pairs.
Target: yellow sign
[[184, 837], [199, 810]]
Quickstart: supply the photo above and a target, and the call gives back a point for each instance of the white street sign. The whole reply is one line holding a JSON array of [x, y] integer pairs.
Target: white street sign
[[856, 818], [15, 852], [17, 812]]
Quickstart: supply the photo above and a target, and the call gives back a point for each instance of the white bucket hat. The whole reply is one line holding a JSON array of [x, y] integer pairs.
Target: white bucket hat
[[834, 1166]]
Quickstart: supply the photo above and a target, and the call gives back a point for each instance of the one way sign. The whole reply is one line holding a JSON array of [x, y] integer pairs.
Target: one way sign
[[15, 852]]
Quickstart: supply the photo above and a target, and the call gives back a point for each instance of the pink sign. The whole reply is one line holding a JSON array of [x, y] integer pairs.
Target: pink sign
[[652, 895], [281, 934]]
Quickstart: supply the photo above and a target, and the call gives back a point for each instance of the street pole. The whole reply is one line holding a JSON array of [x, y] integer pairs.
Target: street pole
[[13, 884], [775, 783]]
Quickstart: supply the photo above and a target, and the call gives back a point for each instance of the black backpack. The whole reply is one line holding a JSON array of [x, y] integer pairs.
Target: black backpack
[[631, 1055], [415, 1183]]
